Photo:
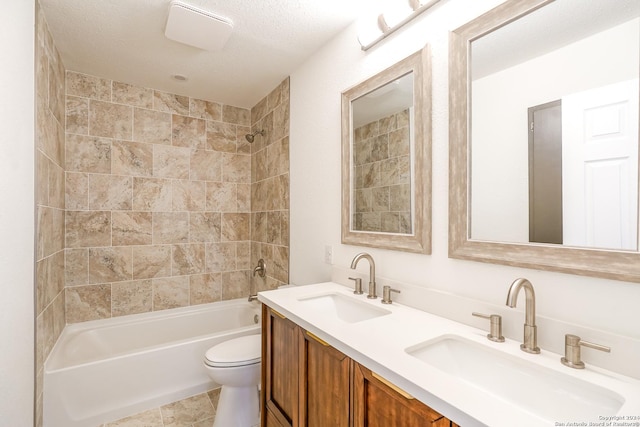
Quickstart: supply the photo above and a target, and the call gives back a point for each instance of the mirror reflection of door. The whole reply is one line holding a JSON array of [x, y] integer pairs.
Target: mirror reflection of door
[[545, 173], [600, 166], [583, 156]]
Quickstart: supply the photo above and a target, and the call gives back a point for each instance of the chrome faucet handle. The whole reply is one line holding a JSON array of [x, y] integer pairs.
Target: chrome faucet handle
[[495, 333], [358, 285], [386, 294], [572, 345]]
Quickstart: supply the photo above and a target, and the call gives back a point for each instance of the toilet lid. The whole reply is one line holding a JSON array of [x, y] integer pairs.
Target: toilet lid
[[235, 352]]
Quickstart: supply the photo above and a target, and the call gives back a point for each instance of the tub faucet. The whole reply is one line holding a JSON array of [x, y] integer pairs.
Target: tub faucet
[[530, 340], [372, 272], [261, 270]]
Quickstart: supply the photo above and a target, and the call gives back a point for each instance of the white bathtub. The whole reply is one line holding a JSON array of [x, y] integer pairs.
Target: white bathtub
[[104, 370]]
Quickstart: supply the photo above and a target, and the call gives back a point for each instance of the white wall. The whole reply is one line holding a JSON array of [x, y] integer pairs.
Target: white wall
[[607, 305], [499, 126], [17, 154]]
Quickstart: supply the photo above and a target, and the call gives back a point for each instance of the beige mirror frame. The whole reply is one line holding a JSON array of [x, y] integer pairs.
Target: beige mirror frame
[[419, 240], [610, 264]]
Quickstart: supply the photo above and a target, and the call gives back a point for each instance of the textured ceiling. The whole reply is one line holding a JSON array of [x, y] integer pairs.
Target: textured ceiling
[[124, 40]]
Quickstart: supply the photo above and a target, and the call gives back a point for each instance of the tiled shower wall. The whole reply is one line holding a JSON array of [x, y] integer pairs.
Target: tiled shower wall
[[164, 194], [49, 198], [270, 187], [158, 200]]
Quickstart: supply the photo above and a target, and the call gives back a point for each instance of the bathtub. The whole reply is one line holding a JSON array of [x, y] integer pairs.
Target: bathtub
[[104, 370]]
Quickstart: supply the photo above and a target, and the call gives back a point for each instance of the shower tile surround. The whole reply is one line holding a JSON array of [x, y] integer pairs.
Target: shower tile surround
[[167, 204], [49, 199], [148, 200]]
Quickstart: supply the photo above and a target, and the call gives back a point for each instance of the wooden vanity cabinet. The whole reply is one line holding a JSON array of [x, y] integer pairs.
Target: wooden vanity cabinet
[[378, 403], [325, 375], [280, 372], [308, 383]]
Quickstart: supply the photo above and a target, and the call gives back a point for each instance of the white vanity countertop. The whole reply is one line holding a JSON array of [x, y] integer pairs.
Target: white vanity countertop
[[380, 343]]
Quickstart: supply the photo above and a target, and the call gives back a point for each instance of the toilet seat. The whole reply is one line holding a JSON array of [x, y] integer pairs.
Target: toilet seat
[[241, 351]]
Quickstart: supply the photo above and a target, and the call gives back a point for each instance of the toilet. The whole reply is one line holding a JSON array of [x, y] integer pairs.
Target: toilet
[[235, 365]]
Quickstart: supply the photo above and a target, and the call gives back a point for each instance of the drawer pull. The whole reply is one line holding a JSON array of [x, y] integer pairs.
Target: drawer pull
[[278, 314], [392, 386], [315, 338]]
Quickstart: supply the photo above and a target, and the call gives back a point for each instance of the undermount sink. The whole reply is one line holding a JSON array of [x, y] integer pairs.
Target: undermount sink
[[541, 391], [345, 308]]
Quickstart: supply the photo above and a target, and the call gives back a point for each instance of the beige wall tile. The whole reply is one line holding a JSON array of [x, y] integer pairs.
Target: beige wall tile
[[76, 191], [235, 284], [136, 96], [188, 132], [131, 158], [206, 165], [88, 86], [221, 137], [236, 115], [204, 226], [222, 197], [88, 154], [42, 178], [131, 298], [274, 227], [151, 126], [259, 226], [170, 292], [110, 120], [131, 228], [220, 257], [259, 110], [170, 227], [56, 186], [242, 145], [188, 259], [205, 109], [235, 226], [236, 168], [171, 162], [88, 303], [87, 228], [170, 103], [151, 261], [110, 192], [244, 197], [76, 267], [188, 195], [151, 194], [205, 288], [243, 256], [77, 111], [110, 264]]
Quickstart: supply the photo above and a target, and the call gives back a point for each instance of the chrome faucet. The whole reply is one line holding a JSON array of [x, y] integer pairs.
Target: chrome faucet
[[530, 340], [372, 272]]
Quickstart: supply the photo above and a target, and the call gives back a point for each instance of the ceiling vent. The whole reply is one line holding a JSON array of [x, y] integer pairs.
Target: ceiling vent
[[196, 27]]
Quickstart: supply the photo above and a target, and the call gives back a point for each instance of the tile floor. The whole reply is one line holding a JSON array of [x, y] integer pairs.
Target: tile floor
[[194, 411]]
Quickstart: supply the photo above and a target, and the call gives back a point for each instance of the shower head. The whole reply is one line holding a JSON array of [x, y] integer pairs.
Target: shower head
[[251, 136]]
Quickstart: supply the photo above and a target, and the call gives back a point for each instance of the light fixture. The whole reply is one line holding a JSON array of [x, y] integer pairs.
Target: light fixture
[[373, 29]]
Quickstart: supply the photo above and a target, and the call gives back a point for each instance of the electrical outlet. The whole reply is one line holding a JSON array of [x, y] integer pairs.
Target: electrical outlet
[[328, 254]]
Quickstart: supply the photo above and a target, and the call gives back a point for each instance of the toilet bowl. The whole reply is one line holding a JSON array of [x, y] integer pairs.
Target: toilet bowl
[[235, 365]]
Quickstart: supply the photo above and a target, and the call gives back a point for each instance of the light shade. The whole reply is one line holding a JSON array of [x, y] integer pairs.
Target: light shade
[[196, 27]]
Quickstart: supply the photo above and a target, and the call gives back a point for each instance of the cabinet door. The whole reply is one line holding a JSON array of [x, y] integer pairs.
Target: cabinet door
[[279, 369], [324, 384], [377, 403]]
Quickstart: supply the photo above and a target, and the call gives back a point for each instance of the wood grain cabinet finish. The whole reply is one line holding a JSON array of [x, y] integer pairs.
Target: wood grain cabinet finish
[[376, 403], [308, 383], [279, 370], [324, 383]]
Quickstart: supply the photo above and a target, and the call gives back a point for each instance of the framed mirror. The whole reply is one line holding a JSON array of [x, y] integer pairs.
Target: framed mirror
[[386, 158], [544, 137]]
